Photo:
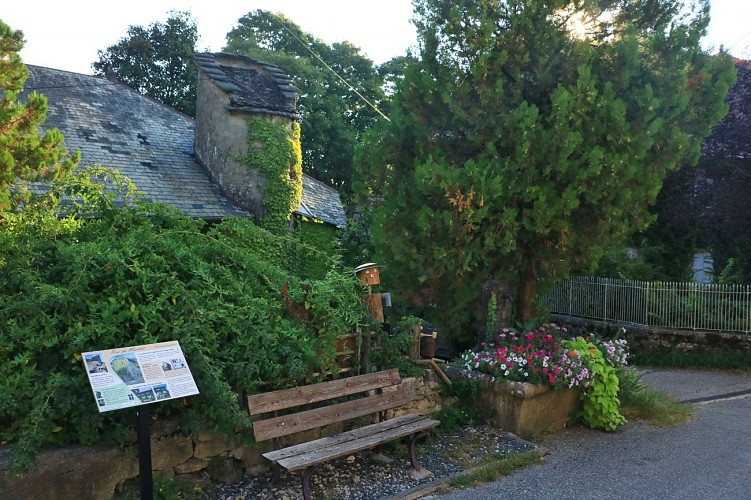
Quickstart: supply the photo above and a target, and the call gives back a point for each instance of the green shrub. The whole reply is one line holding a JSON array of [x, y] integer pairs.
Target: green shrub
[[69, 285], [464, 410], [395, 346], [600, 404]]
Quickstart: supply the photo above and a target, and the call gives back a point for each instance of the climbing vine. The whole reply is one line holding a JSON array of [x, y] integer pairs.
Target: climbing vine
[[315, 233], [274, 150]]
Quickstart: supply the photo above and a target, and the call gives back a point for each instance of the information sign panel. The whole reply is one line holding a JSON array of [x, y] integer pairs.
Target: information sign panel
[[133, 376]]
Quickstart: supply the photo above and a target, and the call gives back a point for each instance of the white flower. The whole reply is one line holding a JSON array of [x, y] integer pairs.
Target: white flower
[[505, 374], [503, 366]]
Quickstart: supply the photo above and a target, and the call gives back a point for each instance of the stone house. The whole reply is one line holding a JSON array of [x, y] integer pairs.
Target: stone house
[[190, 164]]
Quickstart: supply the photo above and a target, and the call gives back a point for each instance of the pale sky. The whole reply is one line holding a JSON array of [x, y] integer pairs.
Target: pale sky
[[66, 34]]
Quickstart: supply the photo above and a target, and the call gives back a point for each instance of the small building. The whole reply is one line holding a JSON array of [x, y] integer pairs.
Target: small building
[[186, 163]]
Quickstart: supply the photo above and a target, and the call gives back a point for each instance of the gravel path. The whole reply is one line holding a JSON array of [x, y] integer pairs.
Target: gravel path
[[367, 476]]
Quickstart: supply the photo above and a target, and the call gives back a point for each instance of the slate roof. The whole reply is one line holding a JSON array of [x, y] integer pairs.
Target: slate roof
[[114, 126], [731, 138], [321, 202], [152, 144], [249, 90]]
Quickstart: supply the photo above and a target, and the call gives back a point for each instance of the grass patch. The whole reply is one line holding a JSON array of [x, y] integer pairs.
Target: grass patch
[[639, 402], [708, 361], [539, 435], [495, 466]]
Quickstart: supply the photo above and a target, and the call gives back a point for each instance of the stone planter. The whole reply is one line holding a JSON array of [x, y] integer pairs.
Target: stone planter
[[520, 407]]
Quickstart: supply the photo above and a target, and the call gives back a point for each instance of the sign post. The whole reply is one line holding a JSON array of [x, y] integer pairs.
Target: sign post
[[136, 376], [144, 452]]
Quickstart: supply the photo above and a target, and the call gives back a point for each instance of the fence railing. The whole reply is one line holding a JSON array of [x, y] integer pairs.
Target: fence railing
[[689, 306]]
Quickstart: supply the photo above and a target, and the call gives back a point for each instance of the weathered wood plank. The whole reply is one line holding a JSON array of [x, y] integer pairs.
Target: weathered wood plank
[[318, 417], [342, 449], [314, 393], [352, 435]]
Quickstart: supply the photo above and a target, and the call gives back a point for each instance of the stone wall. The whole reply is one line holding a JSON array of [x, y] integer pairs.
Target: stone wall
[[643, 339], [98, 472]]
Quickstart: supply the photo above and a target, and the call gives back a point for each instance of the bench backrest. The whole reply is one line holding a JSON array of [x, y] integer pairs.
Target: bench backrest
[[286, 399]]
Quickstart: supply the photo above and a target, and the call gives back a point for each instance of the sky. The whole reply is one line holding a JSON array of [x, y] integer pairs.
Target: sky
[[66, 34]]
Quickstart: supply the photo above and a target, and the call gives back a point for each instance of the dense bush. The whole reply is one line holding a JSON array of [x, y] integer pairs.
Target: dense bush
[[74, 284]]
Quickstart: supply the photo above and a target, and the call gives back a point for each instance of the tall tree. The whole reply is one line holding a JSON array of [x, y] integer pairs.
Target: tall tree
[[158, 61], [334, 116], [24, 153], [530, 135]]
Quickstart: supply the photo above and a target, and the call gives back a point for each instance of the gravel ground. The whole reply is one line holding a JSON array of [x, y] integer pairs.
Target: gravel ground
[[368, 476]]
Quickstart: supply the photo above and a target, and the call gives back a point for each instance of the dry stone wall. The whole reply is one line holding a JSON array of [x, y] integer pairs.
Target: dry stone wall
[[98, 472], [643, 339]]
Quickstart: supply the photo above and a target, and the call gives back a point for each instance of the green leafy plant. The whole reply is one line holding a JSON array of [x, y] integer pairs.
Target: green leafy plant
[[141, 273], [395, 348], [274, 149], [461, 409], [601, 407], [491, 314]]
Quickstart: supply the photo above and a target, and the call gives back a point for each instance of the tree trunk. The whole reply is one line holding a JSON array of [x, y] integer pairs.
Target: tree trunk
[[526, 292]]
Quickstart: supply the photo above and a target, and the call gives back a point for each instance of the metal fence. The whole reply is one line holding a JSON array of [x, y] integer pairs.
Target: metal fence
[[689, 306]]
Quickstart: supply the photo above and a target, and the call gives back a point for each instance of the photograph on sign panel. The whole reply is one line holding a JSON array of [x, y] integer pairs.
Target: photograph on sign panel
[[95, 364], [127, 368]]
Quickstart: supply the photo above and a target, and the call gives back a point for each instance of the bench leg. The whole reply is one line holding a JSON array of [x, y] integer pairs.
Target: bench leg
[[411, 441], [276, 473], [306, 484]]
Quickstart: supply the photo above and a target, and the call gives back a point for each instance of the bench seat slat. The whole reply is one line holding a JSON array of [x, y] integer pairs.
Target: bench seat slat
[[343, 437], [306, 394], [318, 417], [332, 452]]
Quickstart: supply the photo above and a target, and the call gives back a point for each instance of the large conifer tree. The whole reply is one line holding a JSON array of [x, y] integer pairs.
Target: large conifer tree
[[530, 135], [24, 153]]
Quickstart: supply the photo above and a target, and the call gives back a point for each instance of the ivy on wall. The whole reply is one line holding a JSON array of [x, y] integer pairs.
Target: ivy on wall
[[315, 233], [274, 150]]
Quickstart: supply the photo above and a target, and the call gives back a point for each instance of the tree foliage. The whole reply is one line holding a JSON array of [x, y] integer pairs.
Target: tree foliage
[[334, 116], [24, 153], [518, 149], [249, 309], [158, 61]]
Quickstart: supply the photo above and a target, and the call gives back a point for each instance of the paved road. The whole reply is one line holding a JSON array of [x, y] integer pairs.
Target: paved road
[[707, 458]]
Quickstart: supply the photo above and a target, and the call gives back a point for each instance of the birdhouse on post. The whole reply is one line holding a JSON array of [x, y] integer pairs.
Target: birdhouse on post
[[369, 275]]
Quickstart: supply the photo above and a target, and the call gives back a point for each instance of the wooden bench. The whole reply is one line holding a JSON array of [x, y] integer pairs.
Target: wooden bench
[[281, 413]]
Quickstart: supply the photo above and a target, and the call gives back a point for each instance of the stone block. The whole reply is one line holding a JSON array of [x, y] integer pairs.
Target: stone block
[[170, 451], [225, 470], [192, 465], [71, 472], [213, 447], [251, 456]]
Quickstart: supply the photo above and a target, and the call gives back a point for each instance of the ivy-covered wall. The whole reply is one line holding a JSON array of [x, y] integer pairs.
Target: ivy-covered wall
[[317, 234], [274, 150]]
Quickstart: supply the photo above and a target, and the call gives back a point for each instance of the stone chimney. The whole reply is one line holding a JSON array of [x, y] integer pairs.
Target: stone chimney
[[231, 88]]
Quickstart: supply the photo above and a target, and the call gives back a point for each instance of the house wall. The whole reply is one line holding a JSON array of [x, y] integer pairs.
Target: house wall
[[221, 136]]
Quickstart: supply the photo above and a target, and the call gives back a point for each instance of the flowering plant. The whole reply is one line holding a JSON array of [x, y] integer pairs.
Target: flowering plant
[[540, 356]]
